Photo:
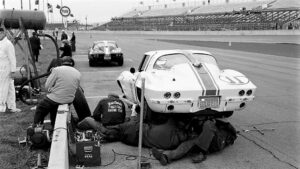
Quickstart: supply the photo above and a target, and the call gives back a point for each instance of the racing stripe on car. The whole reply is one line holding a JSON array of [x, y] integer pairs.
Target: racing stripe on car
[[212, 78], [210, 87], [199, 79]]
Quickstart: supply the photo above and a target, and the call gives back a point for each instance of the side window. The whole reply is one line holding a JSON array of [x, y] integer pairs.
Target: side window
[[144, 63], [168, 61]]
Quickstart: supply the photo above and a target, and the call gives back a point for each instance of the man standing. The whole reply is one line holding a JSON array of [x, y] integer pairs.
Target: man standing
[[35, 45], [61, 85], [65, 48], [7, 74], [64, 36], [73, 42]]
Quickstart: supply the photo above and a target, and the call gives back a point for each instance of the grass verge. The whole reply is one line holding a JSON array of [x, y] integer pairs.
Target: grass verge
[[14, 125]]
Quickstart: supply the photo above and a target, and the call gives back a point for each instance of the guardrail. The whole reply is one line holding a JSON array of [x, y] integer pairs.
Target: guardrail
[[59, 157]]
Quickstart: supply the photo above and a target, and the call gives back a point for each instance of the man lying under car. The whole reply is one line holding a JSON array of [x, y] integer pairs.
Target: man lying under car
[[176, 138]]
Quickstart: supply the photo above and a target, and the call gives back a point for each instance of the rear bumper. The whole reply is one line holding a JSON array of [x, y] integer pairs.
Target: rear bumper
[[192, 105], [102, 57]]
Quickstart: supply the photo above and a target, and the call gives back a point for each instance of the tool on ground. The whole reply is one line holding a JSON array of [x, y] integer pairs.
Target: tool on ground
[[258, 130]]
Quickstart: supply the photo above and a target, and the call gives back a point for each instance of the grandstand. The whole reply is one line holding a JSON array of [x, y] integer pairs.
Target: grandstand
[[246, 15]]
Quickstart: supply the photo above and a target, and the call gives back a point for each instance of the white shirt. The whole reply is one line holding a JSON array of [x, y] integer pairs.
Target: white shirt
[[7, 55]]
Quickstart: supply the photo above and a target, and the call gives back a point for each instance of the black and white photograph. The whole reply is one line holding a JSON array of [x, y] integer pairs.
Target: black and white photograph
[[149, 84]]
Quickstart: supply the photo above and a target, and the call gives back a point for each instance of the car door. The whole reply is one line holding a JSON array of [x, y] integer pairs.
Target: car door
[[137, 84]]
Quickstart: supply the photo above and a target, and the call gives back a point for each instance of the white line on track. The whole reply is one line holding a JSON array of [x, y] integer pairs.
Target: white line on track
[[103, 71]]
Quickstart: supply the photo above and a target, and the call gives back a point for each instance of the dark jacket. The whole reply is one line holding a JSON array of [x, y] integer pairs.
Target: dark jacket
[[162, 136], [66, 50], [35, 44], [110, 111], [64, 36]]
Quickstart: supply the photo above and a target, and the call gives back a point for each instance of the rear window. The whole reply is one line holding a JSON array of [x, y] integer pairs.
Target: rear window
[[168, 61], [102, 45], [204, 58]]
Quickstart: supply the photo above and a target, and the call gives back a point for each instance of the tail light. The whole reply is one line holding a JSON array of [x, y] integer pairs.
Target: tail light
[[242, 92], [167, 95], [176, 95]]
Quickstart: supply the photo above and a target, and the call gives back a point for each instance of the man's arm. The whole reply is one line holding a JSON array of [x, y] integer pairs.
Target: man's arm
[[98, 110], [12, 57], [50, 82]]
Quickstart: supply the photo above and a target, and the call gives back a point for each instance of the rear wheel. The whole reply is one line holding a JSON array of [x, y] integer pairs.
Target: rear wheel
[[91, 63], [147, 112], [120, 61], [227, 114]]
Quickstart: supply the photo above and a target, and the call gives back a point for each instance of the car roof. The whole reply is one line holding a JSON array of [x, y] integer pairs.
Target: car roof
[[172, 51]]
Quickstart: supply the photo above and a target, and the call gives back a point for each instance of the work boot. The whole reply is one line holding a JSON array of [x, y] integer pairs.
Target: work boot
[[162, 158], [199, 158]]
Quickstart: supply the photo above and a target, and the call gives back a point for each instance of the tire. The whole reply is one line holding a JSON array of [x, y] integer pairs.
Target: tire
[[24, 96], [91, 63], [227, 114], [120, 61], [147, 112]]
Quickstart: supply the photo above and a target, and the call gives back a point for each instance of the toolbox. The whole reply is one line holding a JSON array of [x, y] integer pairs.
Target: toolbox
[[86, 144]]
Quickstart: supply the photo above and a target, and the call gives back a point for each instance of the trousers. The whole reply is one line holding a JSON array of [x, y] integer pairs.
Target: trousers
[[202, 141], [45, 107]]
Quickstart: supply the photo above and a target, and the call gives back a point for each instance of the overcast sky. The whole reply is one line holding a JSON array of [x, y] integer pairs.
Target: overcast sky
[[99, 11], [94, 10]]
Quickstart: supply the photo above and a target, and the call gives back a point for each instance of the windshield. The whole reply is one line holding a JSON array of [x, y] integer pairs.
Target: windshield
[[168, 61], [102, 45], [204, 58]]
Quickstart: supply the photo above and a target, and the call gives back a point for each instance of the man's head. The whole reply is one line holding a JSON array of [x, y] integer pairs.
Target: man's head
[[67, 60], [34, 33], [65, 42]]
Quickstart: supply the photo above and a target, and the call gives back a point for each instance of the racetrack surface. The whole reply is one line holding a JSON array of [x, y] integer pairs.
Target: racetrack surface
[[276, 104], [278, 49]]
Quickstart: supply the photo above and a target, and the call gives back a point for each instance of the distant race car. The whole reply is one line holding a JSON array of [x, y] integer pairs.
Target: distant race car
[[105, 52], [186, 81]]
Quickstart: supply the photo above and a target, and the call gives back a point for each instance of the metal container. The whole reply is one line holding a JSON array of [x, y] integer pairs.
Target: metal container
[[31, 19]]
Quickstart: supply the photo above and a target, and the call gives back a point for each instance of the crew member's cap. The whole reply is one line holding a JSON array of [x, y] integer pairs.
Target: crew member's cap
[[67, 60]]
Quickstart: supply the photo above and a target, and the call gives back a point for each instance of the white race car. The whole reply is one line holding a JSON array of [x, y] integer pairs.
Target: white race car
[[186, 81]]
